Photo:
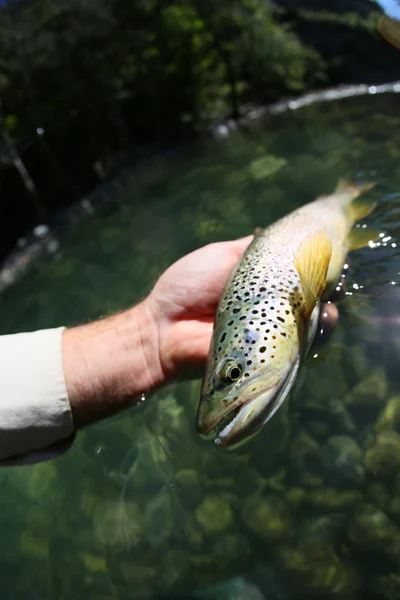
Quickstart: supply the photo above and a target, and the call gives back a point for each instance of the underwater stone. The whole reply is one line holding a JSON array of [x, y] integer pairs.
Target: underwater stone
[[296, 496], [317, 567], [341, 417], [118, 525], [93, 563], [371, 528], [357, 361], [343, 461], [277, 481], [332, 499], [139, 573], [305, 461], [383, 458], [378, 493], [42, 480], [267, 516], [390, 416], [214, 514], [189, 487], [35, 546], [387, 586], [236, 588], [371, 391], [152, 468], [327, 528], [174, 565], [229, 547], [159, 518], [319, 429]]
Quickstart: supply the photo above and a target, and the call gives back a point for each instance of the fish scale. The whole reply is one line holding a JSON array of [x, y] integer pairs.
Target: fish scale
[[265, 322]]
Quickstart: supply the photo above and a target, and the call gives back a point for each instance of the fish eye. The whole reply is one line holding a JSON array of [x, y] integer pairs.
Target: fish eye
[[227, 372], [235, 373]]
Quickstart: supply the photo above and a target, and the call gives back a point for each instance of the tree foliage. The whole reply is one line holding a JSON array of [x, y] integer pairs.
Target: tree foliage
[[82, 82]]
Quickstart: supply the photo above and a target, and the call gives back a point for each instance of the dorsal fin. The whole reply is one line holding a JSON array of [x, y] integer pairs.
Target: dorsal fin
[[312, 262]]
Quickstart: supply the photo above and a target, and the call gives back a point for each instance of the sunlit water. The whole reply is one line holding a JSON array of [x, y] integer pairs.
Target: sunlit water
[[141, 506]]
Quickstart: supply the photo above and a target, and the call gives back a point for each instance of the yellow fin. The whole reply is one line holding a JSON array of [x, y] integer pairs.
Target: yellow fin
[[359, 237], [361, 208], [389, 28], [353, 189], [312, 262]]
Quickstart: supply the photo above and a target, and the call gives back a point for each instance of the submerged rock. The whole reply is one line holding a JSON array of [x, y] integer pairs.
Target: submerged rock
[[370, 392], [305, 460], [267, 517], [214, 514], [390, 416], [332, 499], [387, 586], [371, 529], [343, 461], [118, 525], [316, 567], [378, 494], [383, 458]]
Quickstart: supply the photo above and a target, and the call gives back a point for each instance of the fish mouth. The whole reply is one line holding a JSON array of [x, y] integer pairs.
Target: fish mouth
[[256, 403]]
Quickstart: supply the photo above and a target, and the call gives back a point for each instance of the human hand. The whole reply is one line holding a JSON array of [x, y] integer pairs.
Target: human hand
[[184, 301]]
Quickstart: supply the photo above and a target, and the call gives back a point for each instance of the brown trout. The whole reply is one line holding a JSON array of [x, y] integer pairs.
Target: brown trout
[[269, 312]]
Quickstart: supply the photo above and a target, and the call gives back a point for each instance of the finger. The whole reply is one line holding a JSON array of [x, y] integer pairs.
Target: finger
[[240, 245], [188, 343], [328, 319], [329, 315]]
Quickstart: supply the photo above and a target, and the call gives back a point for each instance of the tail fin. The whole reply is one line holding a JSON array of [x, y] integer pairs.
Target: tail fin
[[357, 209]]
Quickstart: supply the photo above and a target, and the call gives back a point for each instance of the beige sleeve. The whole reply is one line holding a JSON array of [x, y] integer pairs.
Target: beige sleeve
[[34, 407]]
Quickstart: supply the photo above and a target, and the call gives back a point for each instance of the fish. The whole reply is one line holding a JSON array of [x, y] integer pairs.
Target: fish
[[389, 28], [269, 311]]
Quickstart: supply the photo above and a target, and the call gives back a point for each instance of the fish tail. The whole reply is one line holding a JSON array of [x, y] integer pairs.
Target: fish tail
[[355, 209]]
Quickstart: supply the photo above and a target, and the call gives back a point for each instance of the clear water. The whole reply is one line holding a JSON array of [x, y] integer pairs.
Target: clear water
[[141, 506]]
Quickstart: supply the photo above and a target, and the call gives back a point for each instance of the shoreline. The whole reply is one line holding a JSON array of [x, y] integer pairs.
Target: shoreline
[[44, 241]]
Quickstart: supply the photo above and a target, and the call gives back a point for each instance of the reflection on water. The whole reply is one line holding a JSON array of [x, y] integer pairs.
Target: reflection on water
[[142, 507]]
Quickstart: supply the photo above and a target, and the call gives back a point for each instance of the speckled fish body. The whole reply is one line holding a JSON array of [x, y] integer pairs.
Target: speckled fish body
[[269, 312]]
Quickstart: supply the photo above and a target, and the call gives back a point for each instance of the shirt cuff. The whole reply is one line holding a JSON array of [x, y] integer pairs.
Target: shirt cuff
[[34, 408]]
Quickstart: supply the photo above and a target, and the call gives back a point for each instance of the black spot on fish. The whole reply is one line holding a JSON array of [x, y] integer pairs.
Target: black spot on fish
[[263, 349], [236, 310], [223, 336], [280, 319]]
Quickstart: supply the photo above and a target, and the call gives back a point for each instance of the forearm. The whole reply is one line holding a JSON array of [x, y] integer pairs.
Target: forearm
[[57, 381], [110, 363]]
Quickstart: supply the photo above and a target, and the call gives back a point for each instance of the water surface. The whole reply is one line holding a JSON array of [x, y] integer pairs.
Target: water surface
[[141, 506]]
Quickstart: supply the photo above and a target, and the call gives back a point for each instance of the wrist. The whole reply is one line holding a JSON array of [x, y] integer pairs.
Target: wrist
[[110, 363]]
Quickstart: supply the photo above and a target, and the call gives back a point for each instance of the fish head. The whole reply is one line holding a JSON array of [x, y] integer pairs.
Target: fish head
[[250, 369]]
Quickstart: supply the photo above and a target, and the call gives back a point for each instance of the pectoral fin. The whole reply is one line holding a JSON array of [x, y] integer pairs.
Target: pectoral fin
[[312, 262]]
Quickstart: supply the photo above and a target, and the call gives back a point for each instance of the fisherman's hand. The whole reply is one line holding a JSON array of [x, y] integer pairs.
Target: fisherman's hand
[[184, 301], [110, 363]]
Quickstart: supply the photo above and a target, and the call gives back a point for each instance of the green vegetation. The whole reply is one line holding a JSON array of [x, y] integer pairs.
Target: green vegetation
[[113, 72], [86, 86]]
